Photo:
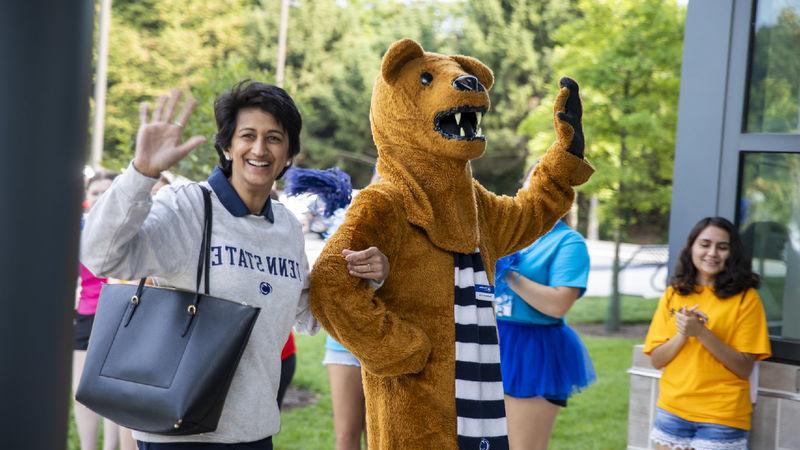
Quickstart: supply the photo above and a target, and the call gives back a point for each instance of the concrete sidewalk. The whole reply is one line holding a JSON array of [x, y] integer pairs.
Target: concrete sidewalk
[[643, 276]]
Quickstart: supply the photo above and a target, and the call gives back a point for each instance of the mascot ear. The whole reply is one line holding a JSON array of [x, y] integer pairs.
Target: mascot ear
[[476, 68], [398, 55]]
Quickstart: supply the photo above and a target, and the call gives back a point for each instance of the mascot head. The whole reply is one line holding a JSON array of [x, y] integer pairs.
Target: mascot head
[[429, 102]]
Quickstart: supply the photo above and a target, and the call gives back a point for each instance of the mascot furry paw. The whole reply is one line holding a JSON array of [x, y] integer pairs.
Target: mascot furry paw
[[427, 341]]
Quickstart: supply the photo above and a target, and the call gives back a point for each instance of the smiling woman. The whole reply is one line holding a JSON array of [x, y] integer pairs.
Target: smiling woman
[[709, 253], [259, 135], [707, 332], [257, 251]]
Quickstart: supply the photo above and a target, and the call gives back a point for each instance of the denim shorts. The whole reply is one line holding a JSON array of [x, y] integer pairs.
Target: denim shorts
[[674, 432]]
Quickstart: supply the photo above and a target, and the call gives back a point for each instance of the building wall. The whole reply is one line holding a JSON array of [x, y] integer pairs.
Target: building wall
[[710, 143], [701, 119], [776, 416], [710, 137]]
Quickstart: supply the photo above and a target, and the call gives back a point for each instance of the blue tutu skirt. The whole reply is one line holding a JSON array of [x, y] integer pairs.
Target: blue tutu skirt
[[547, 361]]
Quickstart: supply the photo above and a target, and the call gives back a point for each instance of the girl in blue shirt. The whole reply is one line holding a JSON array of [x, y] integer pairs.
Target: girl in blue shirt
[[542, 360]]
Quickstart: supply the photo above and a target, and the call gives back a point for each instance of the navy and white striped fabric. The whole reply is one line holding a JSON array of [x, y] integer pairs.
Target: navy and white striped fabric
[[479, 387]]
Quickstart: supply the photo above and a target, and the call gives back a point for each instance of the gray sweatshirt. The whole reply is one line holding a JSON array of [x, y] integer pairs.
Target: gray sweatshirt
[[128, 236]]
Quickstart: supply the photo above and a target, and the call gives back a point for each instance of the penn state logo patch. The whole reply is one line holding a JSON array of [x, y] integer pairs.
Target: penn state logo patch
[[265, 288], [484, 445]]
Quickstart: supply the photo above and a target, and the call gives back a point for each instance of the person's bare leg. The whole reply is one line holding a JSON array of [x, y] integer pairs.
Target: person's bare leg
[[126, 440], [347, 396], [110, 435], [530, 422], [86, 421]]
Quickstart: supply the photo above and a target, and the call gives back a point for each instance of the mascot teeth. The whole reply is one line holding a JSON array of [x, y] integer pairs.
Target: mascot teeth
[[460, 123]]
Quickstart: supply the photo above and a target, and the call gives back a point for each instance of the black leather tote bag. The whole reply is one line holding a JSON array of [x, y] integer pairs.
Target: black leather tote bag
[[161, 360]]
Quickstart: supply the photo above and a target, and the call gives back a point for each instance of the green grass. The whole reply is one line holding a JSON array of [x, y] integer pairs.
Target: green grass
[[594, 309], [311, 427], [597, 419], [72, 434]]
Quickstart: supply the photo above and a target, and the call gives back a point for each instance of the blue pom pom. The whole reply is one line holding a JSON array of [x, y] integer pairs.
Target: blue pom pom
[[332, 186]]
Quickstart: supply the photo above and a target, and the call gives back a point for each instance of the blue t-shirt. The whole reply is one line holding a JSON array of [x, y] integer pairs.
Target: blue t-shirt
[[558, 258], [332, 344]]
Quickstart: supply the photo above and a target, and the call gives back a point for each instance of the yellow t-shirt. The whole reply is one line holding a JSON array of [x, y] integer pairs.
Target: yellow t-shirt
[[695, 385]]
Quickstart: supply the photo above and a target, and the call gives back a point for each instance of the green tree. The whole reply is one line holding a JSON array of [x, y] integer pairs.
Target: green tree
[[334, 54], [329, 74], [626, 56], [514, 38], [157, 45], [335, 50]]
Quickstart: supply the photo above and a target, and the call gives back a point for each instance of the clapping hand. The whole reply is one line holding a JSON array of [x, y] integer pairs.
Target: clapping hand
[[691, 321], [158, 141]]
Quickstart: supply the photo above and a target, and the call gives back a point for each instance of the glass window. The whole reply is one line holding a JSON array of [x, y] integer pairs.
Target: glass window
[[773, 104], [769, 220]]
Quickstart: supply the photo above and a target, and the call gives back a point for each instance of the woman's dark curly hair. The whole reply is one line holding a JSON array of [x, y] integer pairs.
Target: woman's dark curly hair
[[268, 98], [737, 274]]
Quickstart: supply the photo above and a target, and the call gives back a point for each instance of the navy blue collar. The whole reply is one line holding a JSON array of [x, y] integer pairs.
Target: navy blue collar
[[230, 199]]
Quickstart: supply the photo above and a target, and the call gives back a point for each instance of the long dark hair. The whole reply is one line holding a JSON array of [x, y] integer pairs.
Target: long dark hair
[[736, 275]]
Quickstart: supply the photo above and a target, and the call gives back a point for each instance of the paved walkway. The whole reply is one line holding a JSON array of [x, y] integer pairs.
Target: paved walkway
[[643, 276]]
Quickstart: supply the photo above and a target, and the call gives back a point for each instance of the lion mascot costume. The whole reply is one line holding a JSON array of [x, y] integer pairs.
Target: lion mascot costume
[[427, 339]]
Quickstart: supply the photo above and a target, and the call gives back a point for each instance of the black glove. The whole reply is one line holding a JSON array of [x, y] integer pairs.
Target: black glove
[[573, 111]]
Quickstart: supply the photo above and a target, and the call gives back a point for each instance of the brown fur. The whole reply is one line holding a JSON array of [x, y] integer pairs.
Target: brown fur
[[426, 207]]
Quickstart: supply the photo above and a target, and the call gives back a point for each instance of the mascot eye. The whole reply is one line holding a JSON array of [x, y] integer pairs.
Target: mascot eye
[[426, 78]]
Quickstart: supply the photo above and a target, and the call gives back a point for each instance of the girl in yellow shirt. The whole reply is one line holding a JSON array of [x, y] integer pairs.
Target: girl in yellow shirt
[[707, 332]]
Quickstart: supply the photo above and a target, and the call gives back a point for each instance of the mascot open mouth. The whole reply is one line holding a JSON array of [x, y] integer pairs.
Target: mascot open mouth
[[461, 124]]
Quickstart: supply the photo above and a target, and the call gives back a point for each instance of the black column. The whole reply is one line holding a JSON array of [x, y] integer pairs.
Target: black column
[[45, 76]]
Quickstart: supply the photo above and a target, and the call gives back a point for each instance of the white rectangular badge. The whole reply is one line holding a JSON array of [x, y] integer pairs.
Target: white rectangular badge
[[484, 292]]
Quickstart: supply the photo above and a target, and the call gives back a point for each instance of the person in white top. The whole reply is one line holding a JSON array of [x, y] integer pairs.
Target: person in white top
[[257, 248]]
